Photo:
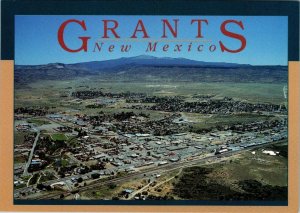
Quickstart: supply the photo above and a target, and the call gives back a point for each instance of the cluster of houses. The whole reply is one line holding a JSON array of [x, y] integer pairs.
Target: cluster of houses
[[224, 106]]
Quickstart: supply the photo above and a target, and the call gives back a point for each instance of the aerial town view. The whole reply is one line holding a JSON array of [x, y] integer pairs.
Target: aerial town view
[[117, 136], [150, 128]]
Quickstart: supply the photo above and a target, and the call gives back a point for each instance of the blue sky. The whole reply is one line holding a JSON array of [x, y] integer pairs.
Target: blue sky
[[36, 39]]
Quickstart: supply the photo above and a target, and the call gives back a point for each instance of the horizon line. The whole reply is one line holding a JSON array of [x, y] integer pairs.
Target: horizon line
[[146, 59]]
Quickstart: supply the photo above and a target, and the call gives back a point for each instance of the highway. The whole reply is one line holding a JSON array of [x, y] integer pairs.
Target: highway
[[31, 153]]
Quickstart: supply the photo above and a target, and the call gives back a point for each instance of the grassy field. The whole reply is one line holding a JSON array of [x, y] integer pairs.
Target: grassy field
[[59, 137], [19, 137], [38, 121]]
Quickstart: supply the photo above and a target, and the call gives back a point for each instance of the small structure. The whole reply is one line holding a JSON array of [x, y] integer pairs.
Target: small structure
[[162, 163], [127, 191], [269, 152]]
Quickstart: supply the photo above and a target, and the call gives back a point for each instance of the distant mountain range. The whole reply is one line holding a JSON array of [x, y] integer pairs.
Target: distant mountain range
[[149, 60], [150, 68], [137, 60]]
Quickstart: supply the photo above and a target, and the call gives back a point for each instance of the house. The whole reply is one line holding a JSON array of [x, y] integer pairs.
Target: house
[[174, 159], [162, 163]]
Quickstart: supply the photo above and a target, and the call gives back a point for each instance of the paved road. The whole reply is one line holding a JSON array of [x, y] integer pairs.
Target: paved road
[[31, 153]]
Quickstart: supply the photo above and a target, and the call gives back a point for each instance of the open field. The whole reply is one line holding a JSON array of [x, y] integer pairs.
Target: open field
[[46, 93], [19, 138], [214, 121], [20, 159], [59, 137], [38, 121], [234, 178]]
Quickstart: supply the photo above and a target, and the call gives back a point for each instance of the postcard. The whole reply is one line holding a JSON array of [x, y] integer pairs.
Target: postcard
[[149, 106]]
